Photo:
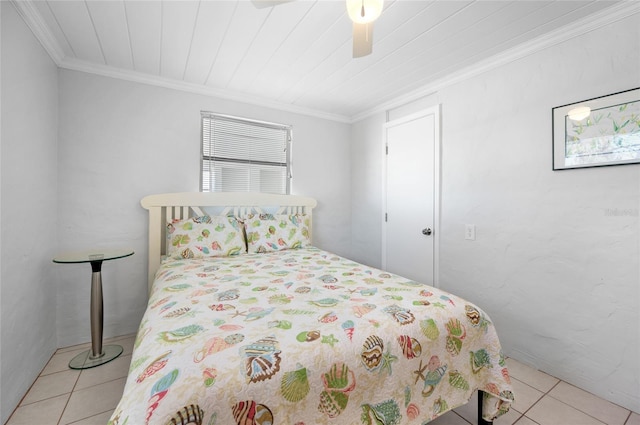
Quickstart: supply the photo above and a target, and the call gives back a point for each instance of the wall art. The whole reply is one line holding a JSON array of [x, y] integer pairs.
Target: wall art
[[597, 132]]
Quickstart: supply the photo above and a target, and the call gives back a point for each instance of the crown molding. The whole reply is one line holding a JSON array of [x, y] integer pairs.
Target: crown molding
[[624, 9], [30, 15], [154, 80]]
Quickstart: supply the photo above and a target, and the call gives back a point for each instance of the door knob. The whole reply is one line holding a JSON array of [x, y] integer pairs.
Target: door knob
[[426, 231]]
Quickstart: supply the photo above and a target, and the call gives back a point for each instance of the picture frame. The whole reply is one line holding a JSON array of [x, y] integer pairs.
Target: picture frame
[[597, 132]]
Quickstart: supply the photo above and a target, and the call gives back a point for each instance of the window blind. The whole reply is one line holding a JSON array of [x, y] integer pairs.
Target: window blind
[[242, 155]]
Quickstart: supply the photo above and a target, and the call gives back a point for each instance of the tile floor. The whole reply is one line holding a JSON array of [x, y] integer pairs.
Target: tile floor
[[61, 396]]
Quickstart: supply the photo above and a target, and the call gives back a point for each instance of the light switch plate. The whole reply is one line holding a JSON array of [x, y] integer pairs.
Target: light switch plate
[[470, 232]]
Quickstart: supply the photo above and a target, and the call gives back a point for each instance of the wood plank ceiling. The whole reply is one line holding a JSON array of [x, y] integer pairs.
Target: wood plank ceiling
[[298, 53]]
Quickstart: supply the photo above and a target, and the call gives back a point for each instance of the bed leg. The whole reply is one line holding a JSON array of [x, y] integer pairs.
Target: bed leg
[[481, 420]]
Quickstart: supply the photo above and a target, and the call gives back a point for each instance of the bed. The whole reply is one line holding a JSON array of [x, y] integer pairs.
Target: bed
[[248, 323]]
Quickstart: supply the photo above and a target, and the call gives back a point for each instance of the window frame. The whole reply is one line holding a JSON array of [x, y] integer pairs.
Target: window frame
[[206, 115]]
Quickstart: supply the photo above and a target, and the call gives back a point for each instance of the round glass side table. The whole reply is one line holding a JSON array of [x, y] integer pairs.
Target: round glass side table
[[98, 354]]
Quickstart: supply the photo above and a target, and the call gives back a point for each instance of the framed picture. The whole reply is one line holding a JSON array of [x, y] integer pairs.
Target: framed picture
[[597, 132]]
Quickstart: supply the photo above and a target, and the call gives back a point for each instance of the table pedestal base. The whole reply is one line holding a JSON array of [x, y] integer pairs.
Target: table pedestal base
[[85, 360], [98, 354]]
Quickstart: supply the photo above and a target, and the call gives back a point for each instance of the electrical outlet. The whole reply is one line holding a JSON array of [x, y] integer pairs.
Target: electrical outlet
[[470, 232]]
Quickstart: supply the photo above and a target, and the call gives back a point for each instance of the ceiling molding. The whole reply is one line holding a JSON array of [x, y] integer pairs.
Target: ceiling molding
[[154, 80], [30, 15], [590, 23]]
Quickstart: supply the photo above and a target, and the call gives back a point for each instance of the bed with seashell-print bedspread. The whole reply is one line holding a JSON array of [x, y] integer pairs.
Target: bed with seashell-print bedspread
[[256, 326]]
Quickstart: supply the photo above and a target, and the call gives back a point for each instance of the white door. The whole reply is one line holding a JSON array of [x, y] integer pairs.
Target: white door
[[411, 181]]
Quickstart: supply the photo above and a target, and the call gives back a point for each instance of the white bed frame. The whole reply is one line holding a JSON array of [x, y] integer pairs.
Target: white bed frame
[[166, 207]]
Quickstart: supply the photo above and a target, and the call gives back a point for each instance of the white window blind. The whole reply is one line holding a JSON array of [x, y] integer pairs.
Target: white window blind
[[241, 155]]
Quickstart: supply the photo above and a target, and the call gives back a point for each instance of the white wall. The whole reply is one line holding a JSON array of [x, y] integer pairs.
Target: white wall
[[366, 190], [28, 209], [120, 141], [558, 272]]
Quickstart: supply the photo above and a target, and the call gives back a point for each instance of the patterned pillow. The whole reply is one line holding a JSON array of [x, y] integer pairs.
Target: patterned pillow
[[205, 236], [275, 232]]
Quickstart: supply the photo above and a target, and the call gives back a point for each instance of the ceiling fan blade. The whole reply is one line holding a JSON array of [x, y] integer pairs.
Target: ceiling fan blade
[[362, 39], [260, 4]]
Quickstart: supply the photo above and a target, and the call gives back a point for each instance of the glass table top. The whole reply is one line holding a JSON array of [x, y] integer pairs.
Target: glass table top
[[90, 255]]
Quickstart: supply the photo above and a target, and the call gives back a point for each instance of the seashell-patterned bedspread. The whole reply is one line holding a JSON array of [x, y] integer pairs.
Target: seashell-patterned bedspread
[[306, 337]]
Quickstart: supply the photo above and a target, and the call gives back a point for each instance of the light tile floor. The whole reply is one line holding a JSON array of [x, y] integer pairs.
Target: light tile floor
[[61, 396]]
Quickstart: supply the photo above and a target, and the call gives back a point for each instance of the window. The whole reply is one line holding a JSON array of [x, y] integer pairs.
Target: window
[[241, 155]]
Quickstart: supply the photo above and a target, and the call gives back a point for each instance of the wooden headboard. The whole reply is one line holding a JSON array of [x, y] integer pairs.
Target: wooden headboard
[[166, 207]]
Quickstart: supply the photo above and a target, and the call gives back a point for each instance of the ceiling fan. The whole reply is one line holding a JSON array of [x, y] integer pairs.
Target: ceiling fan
[[361, 12]]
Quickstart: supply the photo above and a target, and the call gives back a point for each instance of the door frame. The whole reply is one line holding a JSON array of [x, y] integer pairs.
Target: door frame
[[437, 169]]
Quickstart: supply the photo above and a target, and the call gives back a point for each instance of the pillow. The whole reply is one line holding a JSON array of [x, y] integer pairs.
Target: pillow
[[276, 232], [205, 236]]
